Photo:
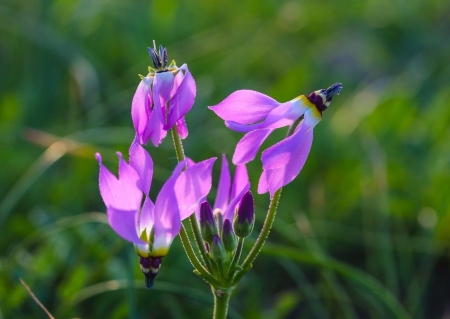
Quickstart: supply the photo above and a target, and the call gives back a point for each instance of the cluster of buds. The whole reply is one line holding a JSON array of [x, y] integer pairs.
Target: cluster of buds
[[221, 235]]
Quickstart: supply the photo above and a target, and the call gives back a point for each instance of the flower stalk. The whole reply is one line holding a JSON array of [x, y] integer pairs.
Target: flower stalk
[[179, 151], [161, 101]]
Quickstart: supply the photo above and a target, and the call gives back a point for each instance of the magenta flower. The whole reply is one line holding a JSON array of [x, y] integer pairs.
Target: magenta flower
[[228, 196], [151, 226], [258, 115], [162, 99]]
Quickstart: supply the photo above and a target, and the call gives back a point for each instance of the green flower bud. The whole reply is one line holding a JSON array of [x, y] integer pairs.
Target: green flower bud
[[207, 223], [228, 237]]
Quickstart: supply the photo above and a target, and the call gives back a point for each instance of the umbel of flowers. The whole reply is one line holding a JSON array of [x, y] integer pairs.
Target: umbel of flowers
[[162, 99]]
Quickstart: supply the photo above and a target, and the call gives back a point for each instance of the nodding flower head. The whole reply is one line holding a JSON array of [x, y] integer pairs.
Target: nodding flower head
[[151, 226], [162, 99], [258, 115]]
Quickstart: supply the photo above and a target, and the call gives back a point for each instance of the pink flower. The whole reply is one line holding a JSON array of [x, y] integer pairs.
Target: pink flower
[[162, 99], [258, 115], [151, 226]]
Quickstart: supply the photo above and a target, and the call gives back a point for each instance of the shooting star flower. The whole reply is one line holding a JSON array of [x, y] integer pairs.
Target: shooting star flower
[[258, 115], [162, 99]]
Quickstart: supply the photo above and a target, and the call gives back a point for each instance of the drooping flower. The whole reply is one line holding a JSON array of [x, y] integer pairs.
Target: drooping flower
[[151, 226], [228, 196], [258, 115], [162, 99]]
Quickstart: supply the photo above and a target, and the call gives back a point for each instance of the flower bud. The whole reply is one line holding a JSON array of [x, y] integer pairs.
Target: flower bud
[[228, 237], [244, 219], [218, 252], [207, 223], [218, 217]]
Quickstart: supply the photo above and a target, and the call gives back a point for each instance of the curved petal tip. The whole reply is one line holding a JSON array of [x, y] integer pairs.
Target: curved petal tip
[[98, 157]]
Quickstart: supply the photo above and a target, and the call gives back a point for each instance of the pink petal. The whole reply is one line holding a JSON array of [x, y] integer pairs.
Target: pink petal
[[182, 101], [182, 128], [262, 185], [146, 217], [240, 181], [141, 108], [223, 189], [241, 184], [122, 193], [176, 82], [248, 146], [286, 151], [245, 107], [167, 222], [123, 222], [192, 186], [229, 212], [162, 86], [157, 133], [283, 161], [283, 115], [142, 163]]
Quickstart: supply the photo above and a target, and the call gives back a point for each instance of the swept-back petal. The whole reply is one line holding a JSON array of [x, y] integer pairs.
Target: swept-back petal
[[182, 128], [287, 150], [162, 86], [229, 212], [283, 115], [262, 185], [156, 132], [141, 108], [121, 193], [146, 218], [245, 107], [141, 161], [248, 146], [223, 189], [192, 185], [176, 82], [182, 101], [123, 222], [240, 180], [283, 161], [167, 222]]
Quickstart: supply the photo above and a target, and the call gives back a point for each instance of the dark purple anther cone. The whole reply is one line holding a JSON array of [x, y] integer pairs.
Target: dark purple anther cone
[[334, 89], [245, 217], [317, 97], [150, 268], [159, 59]]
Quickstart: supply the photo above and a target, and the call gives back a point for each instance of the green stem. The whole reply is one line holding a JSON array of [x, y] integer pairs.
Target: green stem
[[178, 145], [247, 264], [179, 151], [193, 258], [270, 217], [236, 256], [199, 241], [221, 301]]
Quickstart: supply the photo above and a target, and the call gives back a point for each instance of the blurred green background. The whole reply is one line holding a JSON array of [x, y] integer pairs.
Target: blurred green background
[[363, 232]]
